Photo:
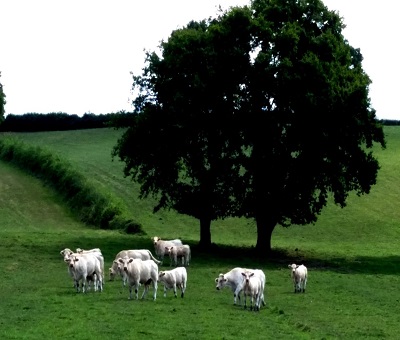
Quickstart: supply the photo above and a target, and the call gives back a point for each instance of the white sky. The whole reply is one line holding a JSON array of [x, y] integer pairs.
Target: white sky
[[75, 56]]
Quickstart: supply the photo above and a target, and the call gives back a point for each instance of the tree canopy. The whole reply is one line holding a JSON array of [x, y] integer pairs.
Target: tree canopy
[[261, 112]]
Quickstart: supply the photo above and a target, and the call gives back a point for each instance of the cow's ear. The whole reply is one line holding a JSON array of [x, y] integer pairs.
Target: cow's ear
[[216, 280], [251, 274], [289, 266], [160, 274], [110, 270], [130, 260], [115, 261], [243, 274], [120, 260], [76, 259]]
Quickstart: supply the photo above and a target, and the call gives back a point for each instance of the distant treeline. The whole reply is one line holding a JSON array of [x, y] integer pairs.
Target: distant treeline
[[390, 122], [59, 121]]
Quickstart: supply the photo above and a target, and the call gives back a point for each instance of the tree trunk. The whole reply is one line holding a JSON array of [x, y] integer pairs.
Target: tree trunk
[[205, 233], [265, 227]]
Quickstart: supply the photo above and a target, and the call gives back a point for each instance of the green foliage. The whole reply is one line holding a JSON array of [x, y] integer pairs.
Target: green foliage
[[262, 112], [93, 206], [2, 102]]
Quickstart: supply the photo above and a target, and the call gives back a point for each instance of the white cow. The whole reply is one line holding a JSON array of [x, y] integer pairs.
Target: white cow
[[84, 267], [140, 272], [176, 277], [116, 267], [159, 246], [66, 252], [96, 252], [234, 279], [176, 252], [299, 276], [252, 288], [84, 251]]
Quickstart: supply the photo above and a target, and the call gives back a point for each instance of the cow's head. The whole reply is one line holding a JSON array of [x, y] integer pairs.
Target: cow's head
[[293, 267], [71, 260], [221, 281], [115, 269], [168, 250], [124, 262], [247, 275], [155, 239], [66, 253]]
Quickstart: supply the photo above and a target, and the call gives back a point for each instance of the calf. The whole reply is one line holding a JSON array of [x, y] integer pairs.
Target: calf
[[159, 246], [299, 276], [176, 277], [252, 287], [179, 251], [140, 272]]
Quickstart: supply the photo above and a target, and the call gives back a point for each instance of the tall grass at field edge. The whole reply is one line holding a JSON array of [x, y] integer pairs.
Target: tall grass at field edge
[[92, 206]]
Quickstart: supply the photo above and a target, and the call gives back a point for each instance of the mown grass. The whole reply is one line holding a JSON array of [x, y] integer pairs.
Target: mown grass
[[352, 256]]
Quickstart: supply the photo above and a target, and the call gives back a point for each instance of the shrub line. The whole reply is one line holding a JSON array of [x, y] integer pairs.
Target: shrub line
[[91, 205]]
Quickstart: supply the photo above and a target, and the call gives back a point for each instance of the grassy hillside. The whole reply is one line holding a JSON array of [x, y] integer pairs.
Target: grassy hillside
[[351, 253], [373, 216]]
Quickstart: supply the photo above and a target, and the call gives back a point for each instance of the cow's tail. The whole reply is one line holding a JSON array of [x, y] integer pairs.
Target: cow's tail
[[153, 258]]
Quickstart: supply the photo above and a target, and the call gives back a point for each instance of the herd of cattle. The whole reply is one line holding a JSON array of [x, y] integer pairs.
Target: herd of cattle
[[140, 267]]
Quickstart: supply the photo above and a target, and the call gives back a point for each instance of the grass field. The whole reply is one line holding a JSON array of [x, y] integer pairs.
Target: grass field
[[352, 256]]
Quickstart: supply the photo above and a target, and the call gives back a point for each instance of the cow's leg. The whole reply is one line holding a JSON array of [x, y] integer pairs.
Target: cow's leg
[[137, 290], [84, 283], [130, 291], [174, 288], [100, 283], [183, 288], [146, 289], [244, 298], [155, 286], [236, 295], [165, 291]]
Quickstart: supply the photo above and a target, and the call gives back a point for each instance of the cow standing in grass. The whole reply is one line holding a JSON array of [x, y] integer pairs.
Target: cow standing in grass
[[116, 267], [299, 276], [172, 279], [252, 288], [235, 280], [83, 267], [159, 246], [140, 272]]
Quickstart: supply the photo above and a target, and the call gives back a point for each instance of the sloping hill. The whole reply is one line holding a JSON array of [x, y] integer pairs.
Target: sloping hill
[[348, 230]]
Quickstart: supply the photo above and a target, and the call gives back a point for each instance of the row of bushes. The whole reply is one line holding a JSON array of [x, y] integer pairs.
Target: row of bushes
[[91, 205], [59, 121]]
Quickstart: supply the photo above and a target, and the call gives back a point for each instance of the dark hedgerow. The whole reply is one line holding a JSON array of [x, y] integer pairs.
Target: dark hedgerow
[[92, 206]]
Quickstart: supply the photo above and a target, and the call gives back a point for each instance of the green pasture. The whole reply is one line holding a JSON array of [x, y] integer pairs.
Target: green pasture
[[352, 255]]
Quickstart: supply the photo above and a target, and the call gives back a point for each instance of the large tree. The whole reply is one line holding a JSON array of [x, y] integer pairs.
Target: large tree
[[184, 146], [307, 115], [262, 112], [2, 102]]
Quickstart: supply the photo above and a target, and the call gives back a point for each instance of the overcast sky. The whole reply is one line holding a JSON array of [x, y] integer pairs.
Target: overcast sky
[[76, 56]]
